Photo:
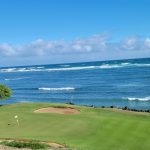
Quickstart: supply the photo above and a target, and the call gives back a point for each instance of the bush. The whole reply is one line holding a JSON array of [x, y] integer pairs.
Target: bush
[[5, 92], [31, 145]]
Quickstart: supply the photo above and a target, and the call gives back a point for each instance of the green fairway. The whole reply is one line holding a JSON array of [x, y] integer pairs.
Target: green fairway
[[91, 129]]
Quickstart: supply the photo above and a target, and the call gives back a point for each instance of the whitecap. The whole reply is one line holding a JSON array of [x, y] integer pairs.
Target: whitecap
[[72, 68], [122, 65], [66, 68], [48, 69], [107, 66], [40, 67], [57, 89], [7, 79], [138, 98]]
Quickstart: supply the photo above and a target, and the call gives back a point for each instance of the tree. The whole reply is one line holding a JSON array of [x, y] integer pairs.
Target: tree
[[5, 92]]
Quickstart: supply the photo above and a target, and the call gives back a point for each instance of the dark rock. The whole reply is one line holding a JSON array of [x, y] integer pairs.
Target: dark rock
[[111, 106], [70, 103], [125, 108]]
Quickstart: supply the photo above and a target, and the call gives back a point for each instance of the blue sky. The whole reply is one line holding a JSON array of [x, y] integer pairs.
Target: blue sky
[[58, 31]]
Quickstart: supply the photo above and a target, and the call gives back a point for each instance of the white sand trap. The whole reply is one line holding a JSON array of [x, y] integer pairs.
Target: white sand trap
[[65, 110]]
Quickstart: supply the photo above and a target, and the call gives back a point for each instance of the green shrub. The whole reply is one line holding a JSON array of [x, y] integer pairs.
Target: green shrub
[[59, 106], [5, 92], [31, 145]]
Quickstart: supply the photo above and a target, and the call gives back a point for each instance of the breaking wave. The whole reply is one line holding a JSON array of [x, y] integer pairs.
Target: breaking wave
[[72, 68], [7, 79], [46, 69], [109, 66], [57, 89], [67, 68], [138, 99]]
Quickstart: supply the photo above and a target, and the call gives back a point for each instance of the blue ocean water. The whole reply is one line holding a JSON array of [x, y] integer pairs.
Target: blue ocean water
[[119, 83]]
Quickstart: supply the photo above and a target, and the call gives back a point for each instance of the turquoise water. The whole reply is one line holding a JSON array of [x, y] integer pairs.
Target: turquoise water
[[118, 83]]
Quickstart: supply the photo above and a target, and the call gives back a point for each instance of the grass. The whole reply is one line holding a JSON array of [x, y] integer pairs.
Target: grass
[[92, 129]]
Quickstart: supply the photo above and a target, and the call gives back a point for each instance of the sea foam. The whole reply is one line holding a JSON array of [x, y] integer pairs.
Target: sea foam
[[57, 89], [32, 69], [138, 99], [7, 79], [65, 68]]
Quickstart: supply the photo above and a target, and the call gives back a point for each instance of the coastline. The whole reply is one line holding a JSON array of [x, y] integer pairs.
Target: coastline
[[123, 109]]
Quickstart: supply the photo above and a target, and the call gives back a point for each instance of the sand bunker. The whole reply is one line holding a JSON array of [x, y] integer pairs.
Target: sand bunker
[[65, 110]]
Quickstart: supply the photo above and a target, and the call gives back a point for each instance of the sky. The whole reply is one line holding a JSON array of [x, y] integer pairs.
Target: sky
[[61, 31]]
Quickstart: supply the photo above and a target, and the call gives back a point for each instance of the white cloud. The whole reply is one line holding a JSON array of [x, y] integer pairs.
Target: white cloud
[[130, 43], [6, 50], [147, 42], [96, 46], [43, 48]]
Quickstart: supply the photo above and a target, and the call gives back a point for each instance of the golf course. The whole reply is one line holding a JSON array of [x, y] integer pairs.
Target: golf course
[[78, 128]]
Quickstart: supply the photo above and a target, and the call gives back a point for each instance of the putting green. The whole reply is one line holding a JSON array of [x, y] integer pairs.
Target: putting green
[[91, 129]]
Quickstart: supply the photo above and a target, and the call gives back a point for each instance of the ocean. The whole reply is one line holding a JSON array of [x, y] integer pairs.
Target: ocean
[[116, 83]]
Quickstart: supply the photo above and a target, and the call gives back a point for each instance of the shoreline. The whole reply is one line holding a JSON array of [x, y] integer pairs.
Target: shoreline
[[123, 109]]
